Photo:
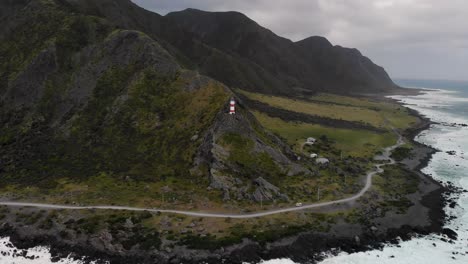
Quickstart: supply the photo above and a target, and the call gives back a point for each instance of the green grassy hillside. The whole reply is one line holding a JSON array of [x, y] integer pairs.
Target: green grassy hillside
[[92, 114], [368, 113], [135, 118], [95, 113]]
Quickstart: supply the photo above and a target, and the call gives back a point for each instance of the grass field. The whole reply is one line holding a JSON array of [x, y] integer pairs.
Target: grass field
[[107, 189], [382, 114], [359, 143], [378, 114], [397, 115]]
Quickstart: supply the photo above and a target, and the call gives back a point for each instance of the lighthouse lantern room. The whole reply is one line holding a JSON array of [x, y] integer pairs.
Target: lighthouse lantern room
[[232, 106]]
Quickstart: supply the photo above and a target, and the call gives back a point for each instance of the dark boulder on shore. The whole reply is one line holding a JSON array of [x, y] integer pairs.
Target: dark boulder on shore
[[450, 233]]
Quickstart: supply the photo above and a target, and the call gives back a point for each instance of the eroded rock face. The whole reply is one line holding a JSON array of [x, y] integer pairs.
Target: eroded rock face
[[28, 87], [266, 191], [228, 172]]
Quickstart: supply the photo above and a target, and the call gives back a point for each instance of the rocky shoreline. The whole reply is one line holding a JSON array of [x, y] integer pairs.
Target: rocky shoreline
[[310, 247], [304, 247]]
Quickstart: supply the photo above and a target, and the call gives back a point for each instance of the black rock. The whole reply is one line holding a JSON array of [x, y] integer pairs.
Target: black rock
[[450, 233]]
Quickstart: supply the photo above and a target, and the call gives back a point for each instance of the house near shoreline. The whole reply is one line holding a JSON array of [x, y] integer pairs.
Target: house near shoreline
[[322, 161], [310, 141]]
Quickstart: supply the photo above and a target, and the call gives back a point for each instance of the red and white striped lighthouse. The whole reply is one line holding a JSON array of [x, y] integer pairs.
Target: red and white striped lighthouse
[[232, 106]]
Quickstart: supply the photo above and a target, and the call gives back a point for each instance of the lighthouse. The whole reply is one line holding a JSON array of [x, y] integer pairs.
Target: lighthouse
[[232, 106]]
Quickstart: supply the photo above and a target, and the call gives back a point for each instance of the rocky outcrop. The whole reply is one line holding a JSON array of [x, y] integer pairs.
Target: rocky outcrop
[[229, 175], [28, 87], [266, 191]]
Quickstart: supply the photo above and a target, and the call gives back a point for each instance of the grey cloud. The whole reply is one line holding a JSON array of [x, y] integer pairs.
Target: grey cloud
[[410, 38]]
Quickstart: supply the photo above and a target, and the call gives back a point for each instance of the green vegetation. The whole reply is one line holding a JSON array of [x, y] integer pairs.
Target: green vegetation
[[359, 143], [209, 241], [260, 230], [149, 135], [69, 33], [363, 110], [402, 153], [146, 137], [253, 164], [396, 181], [92, 223], [116, 190], [134, 143], [394, 185], [380, 114], [337, 180], [138, 122], [147, 231], [333, 111], [393, 113]]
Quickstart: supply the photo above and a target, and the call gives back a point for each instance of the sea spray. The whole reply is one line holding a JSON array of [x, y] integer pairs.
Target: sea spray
[[450, 136], [9, 254]]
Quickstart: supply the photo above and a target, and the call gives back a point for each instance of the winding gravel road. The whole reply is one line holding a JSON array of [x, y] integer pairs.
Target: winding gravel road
[[378, 169]]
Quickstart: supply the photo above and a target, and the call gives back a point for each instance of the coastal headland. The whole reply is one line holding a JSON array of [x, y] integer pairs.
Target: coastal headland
[[198, 136], [401, 203]]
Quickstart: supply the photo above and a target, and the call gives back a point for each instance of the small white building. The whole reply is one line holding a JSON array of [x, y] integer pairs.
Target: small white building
[[310, 141], [322, 161], [313, 155]]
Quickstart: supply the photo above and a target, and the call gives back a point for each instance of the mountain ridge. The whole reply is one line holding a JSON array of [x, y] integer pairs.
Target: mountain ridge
[[253, 58], [325, 64]]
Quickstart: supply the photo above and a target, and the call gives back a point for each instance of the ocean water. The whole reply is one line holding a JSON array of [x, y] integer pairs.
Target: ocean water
[[446, 104]]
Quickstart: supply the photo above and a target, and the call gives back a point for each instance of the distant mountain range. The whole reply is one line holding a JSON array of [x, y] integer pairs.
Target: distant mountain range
[[235, 50]]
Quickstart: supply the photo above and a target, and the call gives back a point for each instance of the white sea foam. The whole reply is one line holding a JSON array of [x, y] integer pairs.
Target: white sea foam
[[278, 261], [436, 105], [38, 255], [444, 167]]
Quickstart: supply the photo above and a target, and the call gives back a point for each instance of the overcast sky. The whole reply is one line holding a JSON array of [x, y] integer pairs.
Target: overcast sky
[[425, 39]]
